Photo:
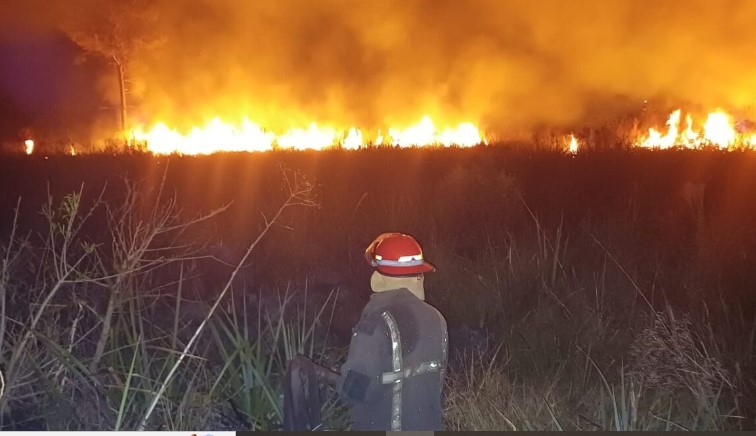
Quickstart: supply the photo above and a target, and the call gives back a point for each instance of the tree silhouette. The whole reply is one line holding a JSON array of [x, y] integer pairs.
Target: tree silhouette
[[115, 30]]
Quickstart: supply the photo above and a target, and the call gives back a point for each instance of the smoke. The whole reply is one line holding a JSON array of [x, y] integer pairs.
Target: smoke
[[43, 91], [501, 63], [20, 20]]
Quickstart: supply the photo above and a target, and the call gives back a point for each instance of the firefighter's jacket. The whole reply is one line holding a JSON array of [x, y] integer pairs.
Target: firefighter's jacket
[[393, 376]]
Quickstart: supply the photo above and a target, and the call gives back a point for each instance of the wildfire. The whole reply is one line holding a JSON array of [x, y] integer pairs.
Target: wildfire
[[353, 139], [314, 138], [215, 136], [718, 130], [425, 133], [219, 136], [29, 146], [573, 145]]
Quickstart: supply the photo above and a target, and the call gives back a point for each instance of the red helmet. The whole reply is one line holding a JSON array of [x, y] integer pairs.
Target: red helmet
[[397, 254]]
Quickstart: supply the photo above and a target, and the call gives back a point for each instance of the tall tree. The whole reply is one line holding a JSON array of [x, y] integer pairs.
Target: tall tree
[[115, 30]]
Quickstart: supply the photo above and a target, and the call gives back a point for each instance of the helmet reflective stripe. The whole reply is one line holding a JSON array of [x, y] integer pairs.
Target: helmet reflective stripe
[[397, 254], [399, 263]]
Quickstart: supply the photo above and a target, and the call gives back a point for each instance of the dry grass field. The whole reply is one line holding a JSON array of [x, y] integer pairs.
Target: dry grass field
[[605, 290]]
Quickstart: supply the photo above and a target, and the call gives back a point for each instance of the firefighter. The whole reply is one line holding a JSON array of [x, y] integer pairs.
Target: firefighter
[[394, 372]]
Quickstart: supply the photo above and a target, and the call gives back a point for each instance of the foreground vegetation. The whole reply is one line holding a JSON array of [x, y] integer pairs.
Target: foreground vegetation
[[608, 291]]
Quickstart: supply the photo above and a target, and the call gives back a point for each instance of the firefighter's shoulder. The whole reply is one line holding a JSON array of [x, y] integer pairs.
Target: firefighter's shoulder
[[368, 323]]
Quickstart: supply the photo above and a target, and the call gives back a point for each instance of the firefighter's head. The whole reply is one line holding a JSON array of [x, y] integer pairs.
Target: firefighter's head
[[398, 262]]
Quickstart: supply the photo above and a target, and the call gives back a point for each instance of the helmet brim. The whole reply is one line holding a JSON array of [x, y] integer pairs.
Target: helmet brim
[[403, 271]]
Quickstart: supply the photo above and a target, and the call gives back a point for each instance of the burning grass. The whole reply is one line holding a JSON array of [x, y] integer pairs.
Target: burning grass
[[218, 136], [610, 296], [716, 130]]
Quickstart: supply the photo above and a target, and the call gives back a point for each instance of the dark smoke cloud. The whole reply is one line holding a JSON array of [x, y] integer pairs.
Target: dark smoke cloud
[[502, 63]]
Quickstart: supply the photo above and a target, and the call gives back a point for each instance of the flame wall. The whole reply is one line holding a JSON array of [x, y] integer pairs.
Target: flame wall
[[502, 63]]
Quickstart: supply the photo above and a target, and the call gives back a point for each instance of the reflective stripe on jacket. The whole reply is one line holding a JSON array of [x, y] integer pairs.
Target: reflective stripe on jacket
[[393, 376]]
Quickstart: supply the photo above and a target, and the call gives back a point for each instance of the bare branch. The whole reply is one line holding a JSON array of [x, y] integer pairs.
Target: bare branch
[[295, 190]]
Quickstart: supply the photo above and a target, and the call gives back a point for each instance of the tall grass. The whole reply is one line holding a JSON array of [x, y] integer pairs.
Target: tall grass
[[91, 351], [102, 327], [581, 342], [255, 355]]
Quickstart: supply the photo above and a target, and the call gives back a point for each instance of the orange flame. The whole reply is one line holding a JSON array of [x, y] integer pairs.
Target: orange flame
[[29, 146], [215, 136], [425, 134], [655, 138], [573, 145], [718, 130], [314, 137], [353, 140], [218, 136]]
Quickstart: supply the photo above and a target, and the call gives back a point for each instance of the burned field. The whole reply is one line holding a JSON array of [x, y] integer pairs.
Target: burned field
[[607, 290]]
